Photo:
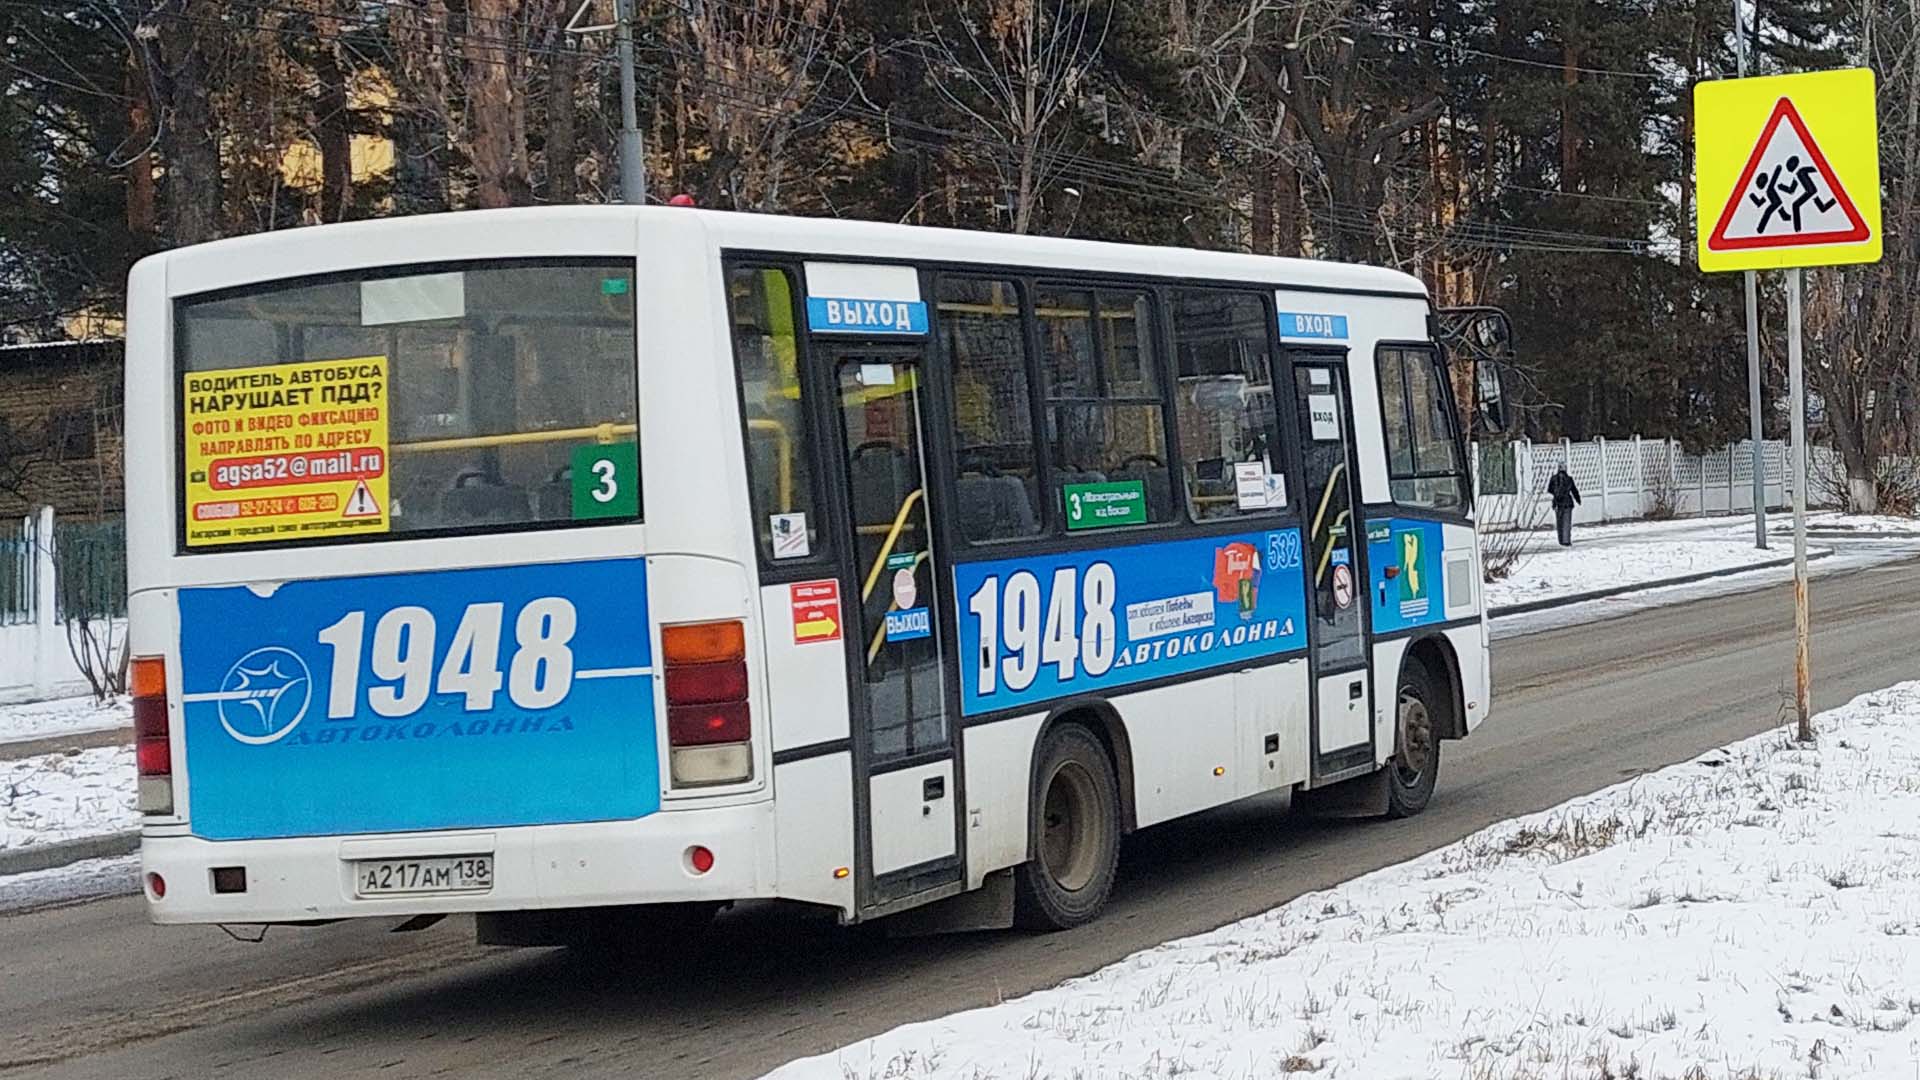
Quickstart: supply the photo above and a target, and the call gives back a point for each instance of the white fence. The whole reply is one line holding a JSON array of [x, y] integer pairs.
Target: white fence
[[1623, 479], [35, 660]]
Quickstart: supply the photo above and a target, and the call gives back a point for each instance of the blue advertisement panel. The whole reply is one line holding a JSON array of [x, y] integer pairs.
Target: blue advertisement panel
[[453, 699], [1049, 626], [1404, 557]]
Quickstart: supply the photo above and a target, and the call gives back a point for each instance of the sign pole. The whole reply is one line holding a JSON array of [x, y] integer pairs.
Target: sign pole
[[1753, 335], [1796, 376], [633, 159]]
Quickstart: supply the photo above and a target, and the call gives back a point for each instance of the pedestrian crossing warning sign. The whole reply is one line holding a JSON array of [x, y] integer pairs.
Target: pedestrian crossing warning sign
[[1791, 165], [361, 503]]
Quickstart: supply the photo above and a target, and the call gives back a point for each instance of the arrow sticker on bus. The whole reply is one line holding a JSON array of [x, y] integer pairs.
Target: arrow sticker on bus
[[816, 611]]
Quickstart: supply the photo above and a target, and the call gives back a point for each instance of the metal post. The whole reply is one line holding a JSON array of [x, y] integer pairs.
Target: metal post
[[1796, 377], [633, 162], [1753, 340]]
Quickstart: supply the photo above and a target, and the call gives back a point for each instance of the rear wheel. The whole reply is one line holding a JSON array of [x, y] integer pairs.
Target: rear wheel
[[1415, 766], [1073, 831]]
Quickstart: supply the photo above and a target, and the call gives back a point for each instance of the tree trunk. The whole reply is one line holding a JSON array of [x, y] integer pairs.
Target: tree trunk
[[489, 105], [1569, 120], [194, 183], [142, 219], [1264, 182], [562, 151], [333, 123]]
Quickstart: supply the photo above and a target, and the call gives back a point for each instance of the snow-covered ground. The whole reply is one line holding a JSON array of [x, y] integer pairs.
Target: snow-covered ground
[[1632, 553], [1754, 913], [87, 880], [63, 716], [1865, 524], [54, 797]]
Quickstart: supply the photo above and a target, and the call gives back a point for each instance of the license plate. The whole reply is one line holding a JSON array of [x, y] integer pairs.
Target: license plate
[[388, 877]]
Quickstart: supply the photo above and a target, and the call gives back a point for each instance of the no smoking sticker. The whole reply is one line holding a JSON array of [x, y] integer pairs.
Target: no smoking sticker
[[1343, 586]]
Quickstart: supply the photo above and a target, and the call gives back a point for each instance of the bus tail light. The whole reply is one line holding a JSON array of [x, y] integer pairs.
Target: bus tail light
[[152, 747], [709, 723]]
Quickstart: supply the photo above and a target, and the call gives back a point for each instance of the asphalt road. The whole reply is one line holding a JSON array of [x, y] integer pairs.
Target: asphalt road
[[91, 990]]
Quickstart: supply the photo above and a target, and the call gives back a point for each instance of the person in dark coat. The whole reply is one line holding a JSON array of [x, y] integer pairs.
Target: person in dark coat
[[1566, 496]]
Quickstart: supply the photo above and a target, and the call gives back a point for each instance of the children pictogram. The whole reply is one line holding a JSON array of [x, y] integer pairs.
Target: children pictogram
[[1787, 195]]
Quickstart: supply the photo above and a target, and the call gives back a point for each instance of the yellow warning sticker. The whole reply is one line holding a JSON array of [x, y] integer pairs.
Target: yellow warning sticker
[[285, 451]]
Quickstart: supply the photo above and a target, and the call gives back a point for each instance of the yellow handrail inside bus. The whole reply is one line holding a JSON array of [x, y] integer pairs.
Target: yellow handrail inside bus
[[1320, 516], [603, 434], [784, 444], [893, 537], [1327, 555]]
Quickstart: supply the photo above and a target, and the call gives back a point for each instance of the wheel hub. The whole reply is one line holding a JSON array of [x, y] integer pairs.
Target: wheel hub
[[1415, 739], [1066, 839]]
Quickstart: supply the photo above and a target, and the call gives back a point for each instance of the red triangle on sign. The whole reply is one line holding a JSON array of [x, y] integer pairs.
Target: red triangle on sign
[[1742, 203]]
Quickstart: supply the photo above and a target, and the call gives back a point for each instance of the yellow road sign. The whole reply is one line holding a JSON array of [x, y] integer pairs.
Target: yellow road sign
[[1788, 170]]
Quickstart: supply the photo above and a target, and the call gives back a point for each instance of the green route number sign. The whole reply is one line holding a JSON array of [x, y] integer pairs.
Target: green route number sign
[[1104, 505], [606, 481]]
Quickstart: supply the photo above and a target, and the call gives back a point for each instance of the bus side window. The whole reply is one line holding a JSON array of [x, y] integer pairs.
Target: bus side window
[[1106, 433], [767, 356], [985, 346], [1225, 403]]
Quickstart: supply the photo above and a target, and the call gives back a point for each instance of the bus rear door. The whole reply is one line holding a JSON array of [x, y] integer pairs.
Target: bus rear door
[[906, 798]]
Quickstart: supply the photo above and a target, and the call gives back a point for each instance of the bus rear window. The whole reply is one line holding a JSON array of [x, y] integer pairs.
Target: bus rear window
[[474, 397]]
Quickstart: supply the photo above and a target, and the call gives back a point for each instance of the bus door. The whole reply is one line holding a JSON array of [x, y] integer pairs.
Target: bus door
[[1336, 597], [906, 799]]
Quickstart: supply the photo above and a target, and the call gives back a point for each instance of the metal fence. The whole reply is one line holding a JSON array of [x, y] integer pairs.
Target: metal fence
[[1623, 479], [90, 568], [18, 575]]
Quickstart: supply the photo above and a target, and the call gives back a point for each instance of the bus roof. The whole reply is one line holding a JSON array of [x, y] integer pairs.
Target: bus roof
[[418, 235]]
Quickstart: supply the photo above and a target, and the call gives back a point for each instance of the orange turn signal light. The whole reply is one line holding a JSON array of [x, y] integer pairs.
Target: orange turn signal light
[[703, 643]]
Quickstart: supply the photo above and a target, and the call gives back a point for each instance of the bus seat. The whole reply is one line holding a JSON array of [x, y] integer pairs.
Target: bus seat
[[1159, 487], [555, 497], [473, 501]]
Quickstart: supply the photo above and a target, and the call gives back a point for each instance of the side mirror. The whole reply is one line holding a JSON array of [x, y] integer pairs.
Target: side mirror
[[1490, 395]]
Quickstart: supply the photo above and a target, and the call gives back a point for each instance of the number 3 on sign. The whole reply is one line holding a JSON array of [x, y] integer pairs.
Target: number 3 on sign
[[1077, 632], [608, 487]]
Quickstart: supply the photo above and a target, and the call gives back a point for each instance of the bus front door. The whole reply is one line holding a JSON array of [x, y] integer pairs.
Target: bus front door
[[1336, 597], [906, 798]]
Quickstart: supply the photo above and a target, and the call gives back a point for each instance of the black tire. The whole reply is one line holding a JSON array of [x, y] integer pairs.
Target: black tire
[[1073, 830], [1415, 766]]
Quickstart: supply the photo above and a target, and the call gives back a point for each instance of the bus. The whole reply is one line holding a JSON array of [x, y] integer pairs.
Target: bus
[[546, 562]]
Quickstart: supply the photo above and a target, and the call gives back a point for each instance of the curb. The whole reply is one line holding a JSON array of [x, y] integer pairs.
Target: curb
[[60, 744], [1529, 606], [67, 852]]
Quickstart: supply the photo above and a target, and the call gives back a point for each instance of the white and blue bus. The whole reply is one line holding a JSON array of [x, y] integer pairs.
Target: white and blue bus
[[536, 562]]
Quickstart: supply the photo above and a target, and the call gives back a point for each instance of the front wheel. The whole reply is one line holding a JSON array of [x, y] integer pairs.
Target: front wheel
[[1415, 766], [1074, 834]]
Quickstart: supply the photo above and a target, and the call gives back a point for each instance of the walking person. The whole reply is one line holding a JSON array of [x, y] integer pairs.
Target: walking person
[[1566, 496]]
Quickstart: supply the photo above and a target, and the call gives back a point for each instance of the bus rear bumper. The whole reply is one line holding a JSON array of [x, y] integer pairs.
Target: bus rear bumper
[[546, 866]]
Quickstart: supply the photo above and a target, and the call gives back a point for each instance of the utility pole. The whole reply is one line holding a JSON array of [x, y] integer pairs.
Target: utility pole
[[1753, 330], [633, 159], [633, 162]]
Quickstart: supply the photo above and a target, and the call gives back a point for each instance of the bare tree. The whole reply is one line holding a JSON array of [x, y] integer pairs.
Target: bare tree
[[1864, 321], [760, 75], [190, 128], [1014, 69]]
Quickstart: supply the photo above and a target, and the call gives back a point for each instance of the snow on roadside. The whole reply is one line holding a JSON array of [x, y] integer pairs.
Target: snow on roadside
[[116, 876], [1751, 914], [1548, 571], [63, 716], [52, 797]]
